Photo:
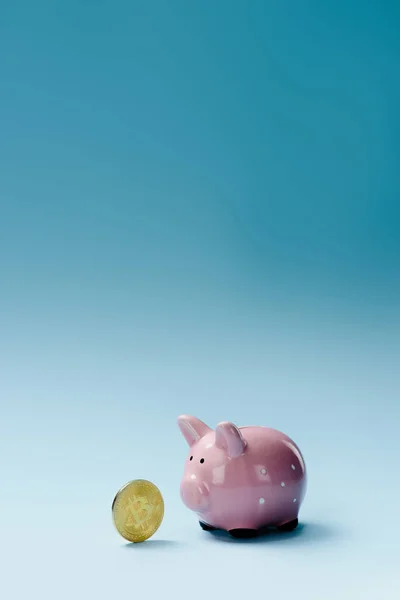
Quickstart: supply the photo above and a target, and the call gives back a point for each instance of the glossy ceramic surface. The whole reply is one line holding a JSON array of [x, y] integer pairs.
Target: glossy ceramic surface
[[241, 477]]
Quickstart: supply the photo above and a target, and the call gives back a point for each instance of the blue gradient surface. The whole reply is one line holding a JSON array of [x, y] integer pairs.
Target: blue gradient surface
[[199, 213]]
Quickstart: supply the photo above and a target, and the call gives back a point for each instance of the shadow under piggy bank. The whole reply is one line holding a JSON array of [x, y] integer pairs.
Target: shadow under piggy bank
[[305, 533]]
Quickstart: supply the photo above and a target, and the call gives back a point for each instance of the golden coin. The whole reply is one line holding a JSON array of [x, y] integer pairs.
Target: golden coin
[[138, 510]]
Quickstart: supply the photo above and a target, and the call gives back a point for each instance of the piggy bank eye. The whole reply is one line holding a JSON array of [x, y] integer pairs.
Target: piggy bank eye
[[191, 458], [202, 460]]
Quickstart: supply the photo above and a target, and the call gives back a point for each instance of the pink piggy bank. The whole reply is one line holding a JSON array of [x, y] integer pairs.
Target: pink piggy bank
[[242, 479]]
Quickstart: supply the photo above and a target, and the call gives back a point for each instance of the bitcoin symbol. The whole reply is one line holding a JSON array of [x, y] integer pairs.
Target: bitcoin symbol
[[139, 511]]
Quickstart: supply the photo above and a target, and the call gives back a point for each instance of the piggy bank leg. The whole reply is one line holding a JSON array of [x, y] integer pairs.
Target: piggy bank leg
[[243, 533], [207, 527], [288, 526]]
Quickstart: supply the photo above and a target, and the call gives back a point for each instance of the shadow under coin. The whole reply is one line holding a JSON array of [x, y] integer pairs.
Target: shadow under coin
[[167, 544], [305, 533]]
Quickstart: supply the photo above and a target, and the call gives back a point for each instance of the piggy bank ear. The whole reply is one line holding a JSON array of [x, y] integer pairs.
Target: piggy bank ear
[[229, 438], [192, 428]]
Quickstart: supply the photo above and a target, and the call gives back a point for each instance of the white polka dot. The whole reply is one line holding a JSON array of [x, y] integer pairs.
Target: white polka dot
[[261, 500], [263, 471], [282, 483], [193, 476], [293, 467], [294, 500]]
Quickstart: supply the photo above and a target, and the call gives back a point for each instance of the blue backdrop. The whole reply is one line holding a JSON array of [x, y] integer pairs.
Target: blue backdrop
[[199, 213]]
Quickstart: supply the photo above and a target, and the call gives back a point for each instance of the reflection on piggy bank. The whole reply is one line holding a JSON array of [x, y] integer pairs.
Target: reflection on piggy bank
[[242, 479]]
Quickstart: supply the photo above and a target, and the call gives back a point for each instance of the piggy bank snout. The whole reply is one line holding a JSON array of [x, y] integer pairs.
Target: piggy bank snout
[[194, 494]]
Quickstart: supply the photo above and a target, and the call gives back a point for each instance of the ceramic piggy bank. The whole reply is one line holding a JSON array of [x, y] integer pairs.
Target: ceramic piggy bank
[[242, 479]]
